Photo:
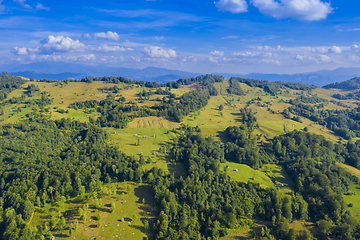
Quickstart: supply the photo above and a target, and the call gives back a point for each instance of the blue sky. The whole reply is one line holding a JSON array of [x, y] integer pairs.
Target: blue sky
[[232, 36]]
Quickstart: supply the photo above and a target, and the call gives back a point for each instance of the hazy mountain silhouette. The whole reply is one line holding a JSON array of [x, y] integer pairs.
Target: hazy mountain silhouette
[[61, 71]]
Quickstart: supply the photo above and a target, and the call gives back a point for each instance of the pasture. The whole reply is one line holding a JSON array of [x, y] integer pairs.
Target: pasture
[[135, 207], [269, 176]]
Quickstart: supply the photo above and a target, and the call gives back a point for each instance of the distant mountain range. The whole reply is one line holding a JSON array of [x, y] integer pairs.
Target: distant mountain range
[[61, 71]]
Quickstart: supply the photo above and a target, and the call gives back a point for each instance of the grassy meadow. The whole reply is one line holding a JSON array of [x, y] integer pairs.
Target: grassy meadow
[[133, 204]]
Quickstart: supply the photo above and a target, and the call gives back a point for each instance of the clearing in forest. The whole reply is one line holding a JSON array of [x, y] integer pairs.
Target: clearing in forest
[[133, 208]]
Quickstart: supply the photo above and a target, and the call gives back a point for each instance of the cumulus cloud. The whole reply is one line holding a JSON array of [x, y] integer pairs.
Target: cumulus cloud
[[157, 52], [108, 35], [319, 50], [217, 53], [60, 44], [88, 57], [298, 9], [106, 48], [354, 58], [335, 49], [269, 49], [39, 6], [233, 6], [22, 3], [355, 48], [20, 51], [324, 58]]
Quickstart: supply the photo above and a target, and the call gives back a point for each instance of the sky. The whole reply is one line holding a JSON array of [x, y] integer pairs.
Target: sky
[[223, 36]]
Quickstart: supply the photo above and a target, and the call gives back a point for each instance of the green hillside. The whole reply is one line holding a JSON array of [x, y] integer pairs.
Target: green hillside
[[167, 153]]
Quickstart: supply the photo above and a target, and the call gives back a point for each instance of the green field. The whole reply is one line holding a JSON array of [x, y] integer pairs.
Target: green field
[[134, 207], [269, 176]]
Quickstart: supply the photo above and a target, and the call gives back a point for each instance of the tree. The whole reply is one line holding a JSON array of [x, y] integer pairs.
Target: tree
[[112, 207], [324, 227], [80, 211], [76, 224], [221, 107]]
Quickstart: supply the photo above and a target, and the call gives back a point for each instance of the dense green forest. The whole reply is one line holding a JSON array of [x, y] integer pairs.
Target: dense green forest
[[114, 113], [234, 87], [274, 87], [351, 84], [205, 203]]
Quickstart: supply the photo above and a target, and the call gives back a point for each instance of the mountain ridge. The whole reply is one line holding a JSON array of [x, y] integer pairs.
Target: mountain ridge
[[61, 71]]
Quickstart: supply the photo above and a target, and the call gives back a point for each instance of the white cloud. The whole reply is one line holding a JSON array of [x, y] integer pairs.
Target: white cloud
[[303, 58], [299, 57], [106, 48], [88, 57], [233, 6], [60, 44], [244, 54], [217, 53], [39, 6], [355, 48], [335, 49], [22, 3], [269, 49], [56, 57], [19, 51], [157, 52], [107, 35], [324, 58], [87, 35], [298, 9], [319, 50], [354, 58]]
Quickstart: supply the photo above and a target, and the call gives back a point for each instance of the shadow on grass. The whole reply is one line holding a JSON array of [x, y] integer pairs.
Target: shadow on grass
[[251, 233], [60, 235], [125, 220]]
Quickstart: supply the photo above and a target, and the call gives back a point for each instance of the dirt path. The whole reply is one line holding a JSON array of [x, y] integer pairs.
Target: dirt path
[[32, 215]]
